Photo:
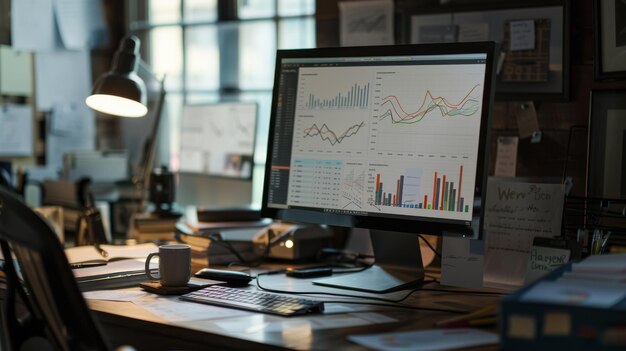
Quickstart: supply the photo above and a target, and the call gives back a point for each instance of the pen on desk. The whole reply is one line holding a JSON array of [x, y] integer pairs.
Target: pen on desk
[[102, 251], [605, 240], [87, 265], [477, 322], [479, 313]]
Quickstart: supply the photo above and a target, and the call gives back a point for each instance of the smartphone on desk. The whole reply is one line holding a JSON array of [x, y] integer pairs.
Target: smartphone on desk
[[311, 272]]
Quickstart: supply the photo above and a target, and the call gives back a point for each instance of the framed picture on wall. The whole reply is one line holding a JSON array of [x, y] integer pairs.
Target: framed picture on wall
[[533, 37], [606, 164], [610, 31]]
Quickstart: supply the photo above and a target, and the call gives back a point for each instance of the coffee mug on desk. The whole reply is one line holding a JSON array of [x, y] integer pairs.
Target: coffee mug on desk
[[174, 265]]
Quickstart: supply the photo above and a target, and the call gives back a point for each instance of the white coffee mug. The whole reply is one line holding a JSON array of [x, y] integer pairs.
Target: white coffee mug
[[174, 265]]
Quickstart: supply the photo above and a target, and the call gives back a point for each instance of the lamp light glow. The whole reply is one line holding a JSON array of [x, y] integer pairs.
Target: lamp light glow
[[116, 105]]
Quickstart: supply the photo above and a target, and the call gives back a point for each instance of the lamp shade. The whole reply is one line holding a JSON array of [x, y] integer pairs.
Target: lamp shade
[[121, 92]]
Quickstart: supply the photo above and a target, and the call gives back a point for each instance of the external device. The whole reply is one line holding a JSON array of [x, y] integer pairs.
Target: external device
[[289, 241], [390, 138]]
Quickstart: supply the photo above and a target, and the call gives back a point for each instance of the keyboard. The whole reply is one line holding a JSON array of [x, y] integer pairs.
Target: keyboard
[[263, 302]]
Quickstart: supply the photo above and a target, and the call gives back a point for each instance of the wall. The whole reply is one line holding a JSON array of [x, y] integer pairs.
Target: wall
[[556, 119]]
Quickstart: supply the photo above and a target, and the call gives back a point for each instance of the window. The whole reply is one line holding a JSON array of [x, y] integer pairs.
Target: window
[[214, 51]]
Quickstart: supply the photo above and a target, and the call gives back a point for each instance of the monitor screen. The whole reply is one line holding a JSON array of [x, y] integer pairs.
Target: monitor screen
[[218, 139], [389, 138]]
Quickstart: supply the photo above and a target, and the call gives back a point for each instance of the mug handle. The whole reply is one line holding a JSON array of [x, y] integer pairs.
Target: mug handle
[[148, 266]]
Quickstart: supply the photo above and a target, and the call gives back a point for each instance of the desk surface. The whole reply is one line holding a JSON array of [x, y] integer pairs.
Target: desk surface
[[129, 324]]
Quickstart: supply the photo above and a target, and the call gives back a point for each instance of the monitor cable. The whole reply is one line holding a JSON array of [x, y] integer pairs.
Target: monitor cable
[[384, 302]]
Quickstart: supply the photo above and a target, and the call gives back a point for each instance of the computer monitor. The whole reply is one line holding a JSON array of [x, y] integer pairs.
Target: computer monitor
[[218, 139], [392, 138]]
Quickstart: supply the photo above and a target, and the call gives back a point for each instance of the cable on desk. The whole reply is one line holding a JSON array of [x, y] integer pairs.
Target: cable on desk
[[468, 292], [429, 245], [258, 284], [397, 306]]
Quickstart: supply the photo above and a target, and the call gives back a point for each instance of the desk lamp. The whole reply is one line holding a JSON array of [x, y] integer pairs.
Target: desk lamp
[[121, 92]]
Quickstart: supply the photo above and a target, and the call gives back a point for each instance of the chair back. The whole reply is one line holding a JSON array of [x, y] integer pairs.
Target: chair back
[[56, 312]]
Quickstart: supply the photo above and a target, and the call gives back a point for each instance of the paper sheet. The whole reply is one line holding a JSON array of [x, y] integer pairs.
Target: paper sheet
[[16, 72], [426, 340], [124, 295], [173, 310], [366, 23], [473, 32], [16, 130], [33, 27], [543, 260], [81, 23], [506, 157], [89, 252], [72, 129], [66, 118], [515, 214], [306, 323], [522, 35], [460, 265], [62, 76]]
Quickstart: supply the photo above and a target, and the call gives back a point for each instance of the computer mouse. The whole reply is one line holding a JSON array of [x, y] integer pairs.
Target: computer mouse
[[232, 278]]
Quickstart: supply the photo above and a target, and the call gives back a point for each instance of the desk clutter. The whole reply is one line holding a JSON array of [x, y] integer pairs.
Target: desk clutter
[[580, 306]]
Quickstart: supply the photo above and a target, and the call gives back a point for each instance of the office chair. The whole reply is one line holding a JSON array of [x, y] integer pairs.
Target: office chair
[[55, 315]]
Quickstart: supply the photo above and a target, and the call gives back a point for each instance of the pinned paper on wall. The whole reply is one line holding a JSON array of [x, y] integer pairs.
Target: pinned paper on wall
[[366, 22], [67, 118], [522, 35], [16, 130], [506, 157], [62, 76], [16, 72], [516, 213], [33, 27], [473, 32], [76, 133], [527, 121], [81, 23]]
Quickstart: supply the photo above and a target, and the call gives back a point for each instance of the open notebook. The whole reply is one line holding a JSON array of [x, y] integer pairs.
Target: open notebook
[[107, 253]]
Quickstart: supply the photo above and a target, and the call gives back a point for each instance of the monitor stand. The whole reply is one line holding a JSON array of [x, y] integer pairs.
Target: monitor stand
[[398, 265]]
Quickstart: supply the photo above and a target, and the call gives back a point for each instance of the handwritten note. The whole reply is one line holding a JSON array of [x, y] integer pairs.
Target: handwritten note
[[506, 158], [522, 35], [462, 263], [515, 214], [543, 260]]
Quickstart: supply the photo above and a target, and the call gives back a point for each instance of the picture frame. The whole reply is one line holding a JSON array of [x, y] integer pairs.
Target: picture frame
[[549, 45], [606, 166], [610, 34]]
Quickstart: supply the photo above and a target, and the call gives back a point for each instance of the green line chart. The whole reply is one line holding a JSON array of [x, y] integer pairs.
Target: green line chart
[[469, 105]]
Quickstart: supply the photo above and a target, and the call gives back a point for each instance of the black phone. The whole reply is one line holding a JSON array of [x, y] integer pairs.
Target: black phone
[[309, 272]]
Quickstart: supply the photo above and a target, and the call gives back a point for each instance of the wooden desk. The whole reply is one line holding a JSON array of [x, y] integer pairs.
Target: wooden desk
[[128, 324]]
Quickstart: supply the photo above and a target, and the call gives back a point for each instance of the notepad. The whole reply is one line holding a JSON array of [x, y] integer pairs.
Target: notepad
[[83, 254]]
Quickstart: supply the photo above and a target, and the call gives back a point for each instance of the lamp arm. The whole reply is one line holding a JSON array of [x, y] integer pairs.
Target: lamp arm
[[149, 160]]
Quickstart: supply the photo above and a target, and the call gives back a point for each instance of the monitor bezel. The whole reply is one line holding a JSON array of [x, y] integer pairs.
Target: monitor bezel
[[419, 225]]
